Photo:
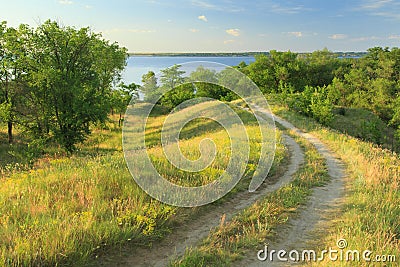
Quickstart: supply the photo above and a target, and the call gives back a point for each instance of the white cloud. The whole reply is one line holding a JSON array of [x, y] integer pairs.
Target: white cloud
[[194, 30], [229, 41], [65, 2], [203, 4], [365, 38], [277, 8], [203, 18], [295, 34], [394, 37], [376, 4], [389, 15], [338, 36], [389, 9], [233, 32], [227, 6], [115, 30]]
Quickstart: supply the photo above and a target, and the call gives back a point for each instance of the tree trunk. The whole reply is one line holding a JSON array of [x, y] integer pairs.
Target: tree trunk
[[120, 120], [9, 123], [10, 133]]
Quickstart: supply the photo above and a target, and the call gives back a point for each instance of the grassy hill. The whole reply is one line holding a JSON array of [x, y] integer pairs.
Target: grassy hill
[[65, 210]]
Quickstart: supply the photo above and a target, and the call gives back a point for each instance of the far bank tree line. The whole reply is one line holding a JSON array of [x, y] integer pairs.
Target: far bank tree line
[[313, 84], [56, 81]]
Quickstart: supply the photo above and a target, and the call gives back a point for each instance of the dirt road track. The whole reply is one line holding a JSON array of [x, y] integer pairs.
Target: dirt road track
[[313, 219]]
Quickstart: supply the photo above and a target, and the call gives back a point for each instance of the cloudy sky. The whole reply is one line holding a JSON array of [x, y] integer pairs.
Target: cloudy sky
[[223, 25]]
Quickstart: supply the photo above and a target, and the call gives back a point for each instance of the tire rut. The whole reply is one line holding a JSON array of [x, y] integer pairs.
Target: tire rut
[[313, 219]]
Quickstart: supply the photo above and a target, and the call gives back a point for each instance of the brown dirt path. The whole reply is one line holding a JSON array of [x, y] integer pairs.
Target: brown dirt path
[[314, 218]]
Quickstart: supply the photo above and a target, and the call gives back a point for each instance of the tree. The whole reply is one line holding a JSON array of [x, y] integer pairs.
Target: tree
[[205, 83], [172, 76], [261, 73], [70, 75], [5, 106], [149, 87], [121, 97], [173, 88], [12, 70], [319, 67], [270, 72]]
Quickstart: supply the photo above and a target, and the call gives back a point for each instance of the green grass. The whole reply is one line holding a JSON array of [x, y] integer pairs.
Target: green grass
[[26, 153], [246, 231], [11, 155], [370, 218], [66, 210]]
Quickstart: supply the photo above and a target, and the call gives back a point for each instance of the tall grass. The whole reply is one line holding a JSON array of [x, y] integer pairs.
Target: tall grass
[[66, 210]]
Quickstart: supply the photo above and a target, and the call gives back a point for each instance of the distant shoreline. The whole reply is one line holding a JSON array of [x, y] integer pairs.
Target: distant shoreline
[[239, 54], [236, 54]]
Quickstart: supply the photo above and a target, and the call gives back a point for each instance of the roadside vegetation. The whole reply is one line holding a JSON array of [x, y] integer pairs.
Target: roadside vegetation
[[369, 219], [68, 209], [248, 230], [357, 96]]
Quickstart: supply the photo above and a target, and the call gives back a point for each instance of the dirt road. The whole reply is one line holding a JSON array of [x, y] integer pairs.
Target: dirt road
[[297, 234], [313, 219]]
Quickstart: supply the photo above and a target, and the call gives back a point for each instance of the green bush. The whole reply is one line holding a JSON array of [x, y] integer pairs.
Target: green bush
[[313, 102]]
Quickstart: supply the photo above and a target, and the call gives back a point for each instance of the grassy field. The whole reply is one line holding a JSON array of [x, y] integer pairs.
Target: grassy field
[[370, 218], [66, 210], [368, 221], [60, 210]]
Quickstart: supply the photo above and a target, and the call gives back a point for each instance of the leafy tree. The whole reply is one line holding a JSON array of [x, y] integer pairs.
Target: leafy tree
[[173, 88], [261, 74], [71, 73], [270, 71], [121, 97], [231, 80], [149, 88], [172, 77], [320, 67], [208, 87], [321, 106], [12, 72]]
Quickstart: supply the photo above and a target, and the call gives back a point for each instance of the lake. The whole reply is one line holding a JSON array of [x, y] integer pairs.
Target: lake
[[139, 65]]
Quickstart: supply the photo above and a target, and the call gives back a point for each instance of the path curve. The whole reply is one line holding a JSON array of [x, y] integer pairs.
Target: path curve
[[313, 219], [186, 236]]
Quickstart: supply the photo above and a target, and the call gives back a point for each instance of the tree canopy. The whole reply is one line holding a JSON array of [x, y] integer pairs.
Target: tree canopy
[[56, 80]]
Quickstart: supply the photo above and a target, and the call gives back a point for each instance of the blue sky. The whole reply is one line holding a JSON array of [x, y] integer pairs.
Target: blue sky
[[223, 25]]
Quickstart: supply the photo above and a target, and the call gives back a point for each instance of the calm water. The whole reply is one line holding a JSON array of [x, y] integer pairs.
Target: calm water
[[139, 65]]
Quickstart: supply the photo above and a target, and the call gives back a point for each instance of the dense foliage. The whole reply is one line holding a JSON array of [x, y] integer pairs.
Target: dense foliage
[[314, 84], [55, 81], [174, 86]]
